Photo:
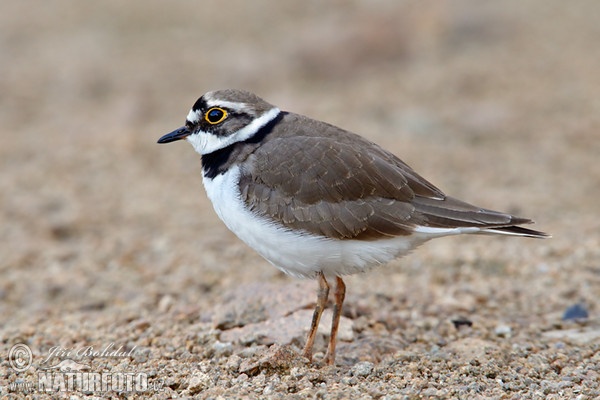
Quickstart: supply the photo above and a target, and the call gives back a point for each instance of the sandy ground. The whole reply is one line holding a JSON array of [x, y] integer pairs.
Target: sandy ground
[[112, 260]]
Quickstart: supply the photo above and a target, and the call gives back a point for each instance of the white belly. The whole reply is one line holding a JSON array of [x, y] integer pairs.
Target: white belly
[[300, 253]]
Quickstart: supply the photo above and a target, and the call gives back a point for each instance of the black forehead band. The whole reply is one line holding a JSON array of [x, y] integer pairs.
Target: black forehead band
[[200, 104]]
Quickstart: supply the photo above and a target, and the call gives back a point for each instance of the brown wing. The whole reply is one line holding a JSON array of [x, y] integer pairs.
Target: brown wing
[[336, 184]]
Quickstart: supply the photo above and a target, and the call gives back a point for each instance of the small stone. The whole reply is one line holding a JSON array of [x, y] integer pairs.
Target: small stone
[[462, 322], [251, 351], [141, 355], [575, 312], [503, 331], [198, 382], [270, 388], [297, 372], [165, 303], [222, 349], [233, 363], [276, 358], [363, 368]]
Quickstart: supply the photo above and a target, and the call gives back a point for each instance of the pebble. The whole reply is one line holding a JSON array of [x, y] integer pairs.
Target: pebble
[[198, 382], [222, 349], [575, 312], [503, 331], [363, 368]]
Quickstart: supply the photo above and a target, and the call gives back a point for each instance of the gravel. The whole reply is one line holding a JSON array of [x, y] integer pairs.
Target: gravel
[[109, 242]]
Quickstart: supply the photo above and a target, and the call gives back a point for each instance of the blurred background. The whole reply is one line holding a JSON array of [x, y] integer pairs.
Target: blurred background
[[497, 103]]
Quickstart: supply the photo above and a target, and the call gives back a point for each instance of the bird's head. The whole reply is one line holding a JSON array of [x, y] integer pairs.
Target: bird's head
[[221, 118]]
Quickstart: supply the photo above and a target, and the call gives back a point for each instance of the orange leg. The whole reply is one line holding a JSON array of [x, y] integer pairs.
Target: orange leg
[[322, 295], [339, 295]]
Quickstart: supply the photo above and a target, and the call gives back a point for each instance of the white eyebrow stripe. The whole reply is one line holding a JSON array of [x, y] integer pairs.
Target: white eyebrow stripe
[[226, 104]]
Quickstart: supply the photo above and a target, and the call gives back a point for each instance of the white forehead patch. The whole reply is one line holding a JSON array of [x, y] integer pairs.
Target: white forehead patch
[[194, 116]]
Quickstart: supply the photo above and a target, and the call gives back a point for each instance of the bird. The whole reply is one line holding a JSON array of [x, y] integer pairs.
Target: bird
[[318, 201]]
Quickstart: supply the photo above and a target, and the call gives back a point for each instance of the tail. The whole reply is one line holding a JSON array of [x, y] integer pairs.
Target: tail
[[515, 230], [450, 216]]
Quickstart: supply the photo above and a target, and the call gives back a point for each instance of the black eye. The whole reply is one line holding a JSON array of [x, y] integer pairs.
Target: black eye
[[215, 115]]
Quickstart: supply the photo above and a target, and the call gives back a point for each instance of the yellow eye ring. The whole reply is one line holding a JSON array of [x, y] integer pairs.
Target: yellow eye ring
[[215, 115]]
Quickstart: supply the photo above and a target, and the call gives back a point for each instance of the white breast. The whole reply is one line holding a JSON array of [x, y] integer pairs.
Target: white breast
[[299, 253]]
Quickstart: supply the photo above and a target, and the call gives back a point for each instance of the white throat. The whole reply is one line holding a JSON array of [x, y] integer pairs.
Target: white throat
[[206, 143]]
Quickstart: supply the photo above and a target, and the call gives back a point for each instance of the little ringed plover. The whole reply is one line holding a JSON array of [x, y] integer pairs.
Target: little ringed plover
[[318, 201]]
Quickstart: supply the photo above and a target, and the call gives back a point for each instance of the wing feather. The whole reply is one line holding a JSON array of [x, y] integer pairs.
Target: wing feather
[[333, 183]]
